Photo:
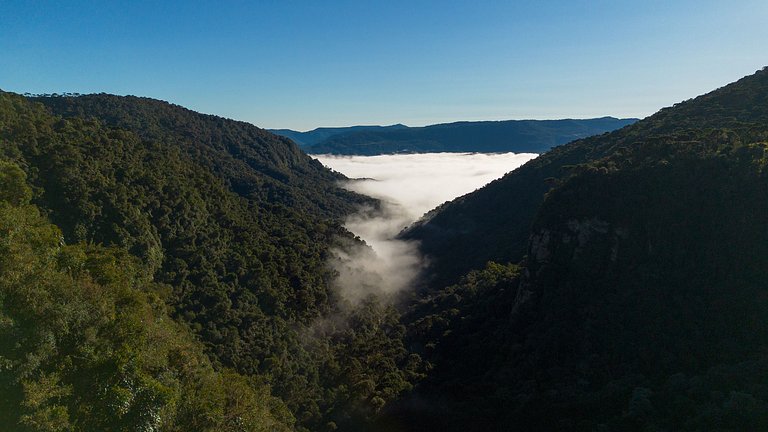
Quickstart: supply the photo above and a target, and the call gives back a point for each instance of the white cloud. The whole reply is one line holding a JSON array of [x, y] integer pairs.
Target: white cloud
[[408, 186]]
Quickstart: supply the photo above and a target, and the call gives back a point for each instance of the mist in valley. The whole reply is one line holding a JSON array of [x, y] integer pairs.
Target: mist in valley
[[408, 186]]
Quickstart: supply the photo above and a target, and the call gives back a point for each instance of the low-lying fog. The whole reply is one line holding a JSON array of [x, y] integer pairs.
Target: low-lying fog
[[408, 186]]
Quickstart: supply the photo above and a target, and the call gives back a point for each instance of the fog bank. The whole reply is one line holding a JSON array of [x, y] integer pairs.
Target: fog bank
[[408, 185]]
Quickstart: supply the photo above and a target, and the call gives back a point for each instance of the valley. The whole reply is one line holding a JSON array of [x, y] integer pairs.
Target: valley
[[164, 269], [408, 187]]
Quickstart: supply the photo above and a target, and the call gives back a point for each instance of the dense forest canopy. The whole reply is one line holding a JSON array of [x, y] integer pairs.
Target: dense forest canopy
[[166, 270], [494, 223], [252, 162], [235, 221], [640, 301], [87, 343]]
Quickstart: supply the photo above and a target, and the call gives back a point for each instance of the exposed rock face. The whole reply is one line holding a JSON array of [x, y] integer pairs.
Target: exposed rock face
[[540, 249], [589, 245]]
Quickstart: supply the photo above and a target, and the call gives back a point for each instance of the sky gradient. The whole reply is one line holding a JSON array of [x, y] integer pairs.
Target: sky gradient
[[304, 64]]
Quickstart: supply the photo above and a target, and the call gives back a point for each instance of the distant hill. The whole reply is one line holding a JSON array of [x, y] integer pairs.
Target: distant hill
[[316, 136], [520, 136]]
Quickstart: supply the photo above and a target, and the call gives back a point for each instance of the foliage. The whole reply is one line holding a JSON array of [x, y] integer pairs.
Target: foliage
[[641, 302], [86, 342], [637, 301], [493, 223], [252, 162], [232, 219]]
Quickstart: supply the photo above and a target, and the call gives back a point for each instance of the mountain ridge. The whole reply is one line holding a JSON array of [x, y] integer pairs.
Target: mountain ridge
[[450, 227], [637, 300], [233, 223], [309, 138], [491, 136]]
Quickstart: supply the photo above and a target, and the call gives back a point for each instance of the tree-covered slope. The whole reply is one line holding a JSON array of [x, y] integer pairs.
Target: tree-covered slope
[[493, 223], [520, 136], [641, 304], [253, 162], [87, 343], [244, 250], [186, 286]]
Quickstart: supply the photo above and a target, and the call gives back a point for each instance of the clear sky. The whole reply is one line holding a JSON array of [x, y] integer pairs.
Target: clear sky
[[304, 64]]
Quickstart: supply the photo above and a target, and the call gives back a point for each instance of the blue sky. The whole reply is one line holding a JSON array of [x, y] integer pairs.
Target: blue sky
[[304, 64]]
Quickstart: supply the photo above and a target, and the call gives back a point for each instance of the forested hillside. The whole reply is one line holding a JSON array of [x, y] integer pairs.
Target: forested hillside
[[166, 270], [87, 343], [493, 224], [253, 162], [519, 136], [640, 301], [235, 221]]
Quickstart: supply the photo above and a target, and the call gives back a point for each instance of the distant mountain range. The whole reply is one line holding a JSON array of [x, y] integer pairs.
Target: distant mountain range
[[311, 138], [521, 136]]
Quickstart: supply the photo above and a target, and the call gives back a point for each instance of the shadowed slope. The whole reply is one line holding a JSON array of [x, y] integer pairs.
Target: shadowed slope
[[493, 223]]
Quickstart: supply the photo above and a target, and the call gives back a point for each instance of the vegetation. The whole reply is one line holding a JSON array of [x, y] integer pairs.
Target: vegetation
[[640, 303], [252, 162], [242, 246], [165, 270], [494, 223], [86, 341]]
